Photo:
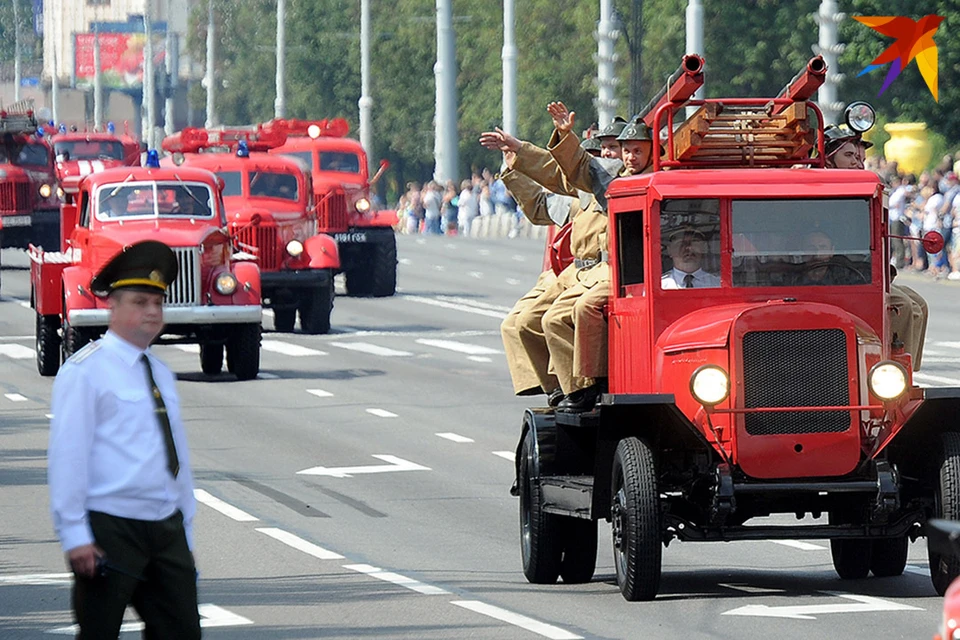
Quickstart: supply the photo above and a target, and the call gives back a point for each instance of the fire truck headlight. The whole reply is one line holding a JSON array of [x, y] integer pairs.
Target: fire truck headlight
[[295, 248], [45, 191], [60, 192], [226, 284], [888, 380], [860, 116], [710, 385], [363, 205]]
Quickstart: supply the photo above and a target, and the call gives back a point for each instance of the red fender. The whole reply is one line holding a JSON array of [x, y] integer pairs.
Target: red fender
[[381, 218], [76, 290], [323, 252], [248, 279]]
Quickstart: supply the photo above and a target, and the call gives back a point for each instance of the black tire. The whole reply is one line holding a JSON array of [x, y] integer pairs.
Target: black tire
[[243, 351], [383, 272], [315, 309], [851, 557], [944, 569], [579, 550], [48, 345], [541, 544], [889, 556], [635, 516], [211, 358], [284, 319], [74, 339], [359, 280]]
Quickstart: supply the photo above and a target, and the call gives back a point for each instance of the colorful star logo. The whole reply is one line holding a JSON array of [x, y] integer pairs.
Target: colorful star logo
[[914, 39]]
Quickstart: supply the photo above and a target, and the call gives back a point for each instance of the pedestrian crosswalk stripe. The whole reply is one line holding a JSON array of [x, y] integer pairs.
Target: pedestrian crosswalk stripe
[[951, 345], [459, 347], [189, 348], [454, 437], [17, 351], [300, 544], [507, 455], [366, 347], [382, 413], [320, 393], [288, 349], [15, 397]]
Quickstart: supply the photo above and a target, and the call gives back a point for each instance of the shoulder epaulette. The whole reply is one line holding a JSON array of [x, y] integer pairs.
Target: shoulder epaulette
[[84, 353]]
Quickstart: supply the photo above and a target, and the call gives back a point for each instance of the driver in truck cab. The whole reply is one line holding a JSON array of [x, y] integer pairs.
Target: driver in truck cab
[[687, 248], [846, 149]]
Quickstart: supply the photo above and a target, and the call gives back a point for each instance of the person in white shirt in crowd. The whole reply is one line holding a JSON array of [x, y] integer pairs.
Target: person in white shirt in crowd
[[687, 248], [121, 488], [468, 207], [899, 219], [431, 199]]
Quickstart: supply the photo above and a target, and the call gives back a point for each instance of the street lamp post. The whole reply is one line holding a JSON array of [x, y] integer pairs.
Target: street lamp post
[[16, 51], [280, 104], [695, 40], [445, 70], [148, 95], [606, 33], [366, 102], [509, 57], [210, 79]]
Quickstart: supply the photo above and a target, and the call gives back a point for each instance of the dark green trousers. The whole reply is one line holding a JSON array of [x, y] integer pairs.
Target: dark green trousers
[[147, 565]]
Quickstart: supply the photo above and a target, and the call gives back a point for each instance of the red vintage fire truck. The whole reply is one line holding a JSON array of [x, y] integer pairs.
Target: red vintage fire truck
[[29, 206], [214, 301], [776, 388], [270, 208], [79, 153], [368, 246]]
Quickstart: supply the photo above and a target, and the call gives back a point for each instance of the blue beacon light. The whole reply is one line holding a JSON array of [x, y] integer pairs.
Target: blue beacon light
[[243, 151], [153, 159]]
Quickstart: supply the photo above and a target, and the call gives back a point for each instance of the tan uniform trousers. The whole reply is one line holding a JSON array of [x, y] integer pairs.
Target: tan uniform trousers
[[908, 319], [523, 371]]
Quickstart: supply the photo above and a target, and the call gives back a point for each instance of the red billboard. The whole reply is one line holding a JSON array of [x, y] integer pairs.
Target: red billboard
[[121, 58]]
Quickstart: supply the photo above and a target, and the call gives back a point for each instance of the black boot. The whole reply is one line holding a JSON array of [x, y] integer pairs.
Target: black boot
[[555, 397], [581, 400]]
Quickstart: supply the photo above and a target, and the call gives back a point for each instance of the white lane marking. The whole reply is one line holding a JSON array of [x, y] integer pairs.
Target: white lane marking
[[373, 349], [210, 616], [506, 455], [300, 544], [382, 413], [748, 589], [393, 464], [951, 345], [860, 604], [470, 302], [483, 252], [15, 397], [226, 509], [454, 437], [267, 376], [344, 331], [928, 377], [920, 571], [518, 258], [320, 393], [189, 348], [439, 267], [540, 628], [457, 307], [38, 579], [512, 282], [476, 274], [404, 261], [480, 358], [17, 351], [796, 544], [929, 359], [459, 347], [421, 241], [287, 349], [396, 578], [32, 338], [268, 312]]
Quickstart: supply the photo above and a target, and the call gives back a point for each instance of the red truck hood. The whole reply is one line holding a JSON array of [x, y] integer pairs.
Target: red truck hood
[[180, 234]]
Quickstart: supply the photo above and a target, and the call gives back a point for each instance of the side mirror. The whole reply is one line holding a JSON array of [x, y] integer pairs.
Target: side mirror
[[932, 242]]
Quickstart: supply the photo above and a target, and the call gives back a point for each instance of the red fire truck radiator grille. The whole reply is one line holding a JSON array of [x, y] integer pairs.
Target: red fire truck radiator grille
[[795, 369], [14, 197], [262, 242], [332, 213], [184, 291]]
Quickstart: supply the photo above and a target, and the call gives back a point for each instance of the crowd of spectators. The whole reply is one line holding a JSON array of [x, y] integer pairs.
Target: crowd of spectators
[[918, 204], [445, 210]]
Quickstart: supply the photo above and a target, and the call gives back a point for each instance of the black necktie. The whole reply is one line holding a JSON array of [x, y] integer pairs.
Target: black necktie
[[173, 463], [688, 281]]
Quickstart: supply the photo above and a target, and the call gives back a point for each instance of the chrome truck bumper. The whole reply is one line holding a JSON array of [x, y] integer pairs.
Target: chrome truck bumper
[[198, 315]]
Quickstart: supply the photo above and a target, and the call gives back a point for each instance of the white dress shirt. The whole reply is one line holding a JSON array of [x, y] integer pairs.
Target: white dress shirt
[[107, 450], [674, 279]]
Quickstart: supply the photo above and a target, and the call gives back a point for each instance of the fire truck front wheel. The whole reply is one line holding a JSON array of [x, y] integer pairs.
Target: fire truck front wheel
[[76, 338], [375, 273], [48, 345], [211, 358], [283, 319], [635, 520], [243, 351], [579, 550], [315, 308], [889, 556], [541, 544], [945, 569], [851, 556]]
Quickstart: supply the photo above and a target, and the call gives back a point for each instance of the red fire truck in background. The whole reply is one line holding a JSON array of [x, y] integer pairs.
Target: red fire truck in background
[[29, 205], [778, 387], [79, 153], [341, 182], [270, 209]]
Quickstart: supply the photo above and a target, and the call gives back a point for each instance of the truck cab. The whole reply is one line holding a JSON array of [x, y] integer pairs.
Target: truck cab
[[79, 153], [753, 370], [29, 206], [214, 301], [345, 210], [272, 215]]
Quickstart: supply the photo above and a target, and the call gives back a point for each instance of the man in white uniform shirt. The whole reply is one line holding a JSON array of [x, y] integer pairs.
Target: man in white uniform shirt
[[686, 248], [121, 488]]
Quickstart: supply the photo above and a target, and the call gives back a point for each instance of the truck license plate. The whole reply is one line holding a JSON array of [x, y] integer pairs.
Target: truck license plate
[[15, 221], [350, 236]]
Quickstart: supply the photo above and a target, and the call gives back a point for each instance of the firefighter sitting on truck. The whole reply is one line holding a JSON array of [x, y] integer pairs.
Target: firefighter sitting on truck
[[845, 149], [575, 326]]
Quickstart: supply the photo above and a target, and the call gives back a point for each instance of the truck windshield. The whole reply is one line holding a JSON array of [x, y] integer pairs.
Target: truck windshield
[[306, 157], [266, 184], [30, 155], [232, 183], [89, 150], [139, 200], [786, 243], [342, 162]]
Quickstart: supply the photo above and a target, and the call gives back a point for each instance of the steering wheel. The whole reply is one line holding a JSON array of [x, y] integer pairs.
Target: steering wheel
[[846, 266]]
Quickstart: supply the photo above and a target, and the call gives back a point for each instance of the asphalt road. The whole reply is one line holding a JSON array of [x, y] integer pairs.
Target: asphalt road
[[420, 540]]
